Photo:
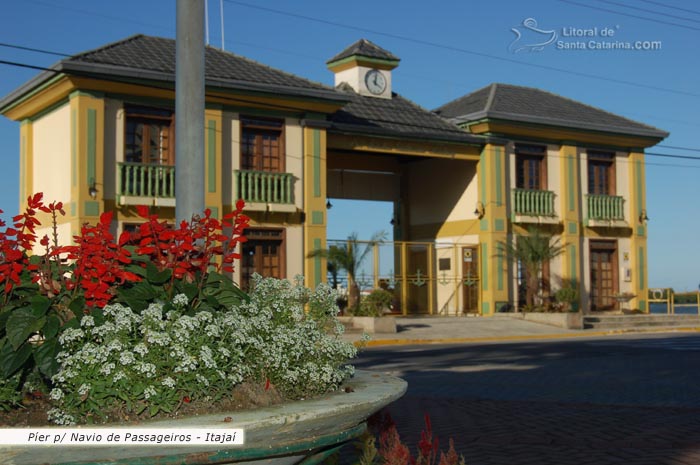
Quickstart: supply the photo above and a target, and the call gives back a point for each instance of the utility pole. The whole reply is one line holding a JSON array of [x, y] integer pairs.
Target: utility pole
[[189, 109]]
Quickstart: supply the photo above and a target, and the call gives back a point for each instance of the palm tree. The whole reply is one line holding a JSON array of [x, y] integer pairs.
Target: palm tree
[[532, 251], [349, 257]]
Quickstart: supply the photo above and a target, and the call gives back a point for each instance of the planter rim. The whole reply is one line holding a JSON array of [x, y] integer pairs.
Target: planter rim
[[287, 429]]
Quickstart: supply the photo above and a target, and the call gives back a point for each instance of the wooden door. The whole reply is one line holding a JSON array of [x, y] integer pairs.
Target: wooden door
[[262, 253], [604, 277], [470, 279]]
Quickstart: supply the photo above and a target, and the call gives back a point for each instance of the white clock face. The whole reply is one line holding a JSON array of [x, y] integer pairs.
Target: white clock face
[[375, 82]]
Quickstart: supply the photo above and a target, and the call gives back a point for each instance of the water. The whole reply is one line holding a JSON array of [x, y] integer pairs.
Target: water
[[661, 308]]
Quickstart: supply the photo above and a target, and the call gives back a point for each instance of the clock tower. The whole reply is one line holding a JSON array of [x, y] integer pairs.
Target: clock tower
[[366, 67]]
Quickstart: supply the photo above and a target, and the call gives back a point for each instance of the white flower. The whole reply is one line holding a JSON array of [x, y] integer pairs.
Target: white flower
[[84, 389], [87, 321], [168, 382], [127, 358], [56, 394], [149, 392], [180, 300]]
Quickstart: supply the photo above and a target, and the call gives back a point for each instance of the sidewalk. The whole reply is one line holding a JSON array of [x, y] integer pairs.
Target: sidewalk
[[448, 330]]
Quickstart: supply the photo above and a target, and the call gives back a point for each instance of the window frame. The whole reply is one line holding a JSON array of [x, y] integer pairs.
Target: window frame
[[532, 153], [598, 160], [146, 116], [261, 126]]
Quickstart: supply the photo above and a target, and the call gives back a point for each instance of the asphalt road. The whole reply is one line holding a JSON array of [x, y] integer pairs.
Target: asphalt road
[[613, 400]]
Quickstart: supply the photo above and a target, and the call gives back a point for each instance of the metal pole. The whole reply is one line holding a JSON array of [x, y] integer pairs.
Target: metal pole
[[189, 109]]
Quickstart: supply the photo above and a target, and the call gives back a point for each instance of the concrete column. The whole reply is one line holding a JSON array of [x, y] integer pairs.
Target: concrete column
[[189, 109]]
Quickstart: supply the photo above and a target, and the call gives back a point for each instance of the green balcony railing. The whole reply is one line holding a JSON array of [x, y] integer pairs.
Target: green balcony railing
[[605, 207], [533, 202], [264, 186], [143, 180]]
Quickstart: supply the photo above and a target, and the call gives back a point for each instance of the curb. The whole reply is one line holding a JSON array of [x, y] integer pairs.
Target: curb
[[466, 340]]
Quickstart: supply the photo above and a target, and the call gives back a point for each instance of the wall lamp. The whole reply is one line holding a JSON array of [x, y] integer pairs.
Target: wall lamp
[[329, 205], [92, 190], [480, 210], [643, 218]]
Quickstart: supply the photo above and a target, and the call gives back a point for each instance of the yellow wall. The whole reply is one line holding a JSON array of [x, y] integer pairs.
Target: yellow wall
[[314, 203], [52, 151]]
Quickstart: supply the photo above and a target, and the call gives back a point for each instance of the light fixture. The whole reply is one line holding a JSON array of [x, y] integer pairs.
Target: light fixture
[[394, 221], [92, 190], [480, 210], [643, 218], [329, 205]]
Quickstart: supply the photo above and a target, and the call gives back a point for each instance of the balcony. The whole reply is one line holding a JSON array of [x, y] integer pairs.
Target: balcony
[[605, 210], [266, 191], [533, 206], [139, 184]]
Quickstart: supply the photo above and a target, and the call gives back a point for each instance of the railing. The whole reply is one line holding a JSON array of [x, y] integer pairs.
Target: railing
[[264, 187], [605, 207], [533, 202], [142, 180]]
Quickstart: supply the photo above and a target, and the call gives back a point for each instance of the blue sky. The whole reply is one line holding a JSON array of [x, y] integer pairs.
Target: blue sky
[[447, 49]]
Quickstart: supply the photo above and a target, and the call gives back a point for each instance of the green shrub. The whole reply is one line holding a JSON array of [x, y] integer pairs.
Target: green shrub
[[567, 297], [121, 362], [375, 303]]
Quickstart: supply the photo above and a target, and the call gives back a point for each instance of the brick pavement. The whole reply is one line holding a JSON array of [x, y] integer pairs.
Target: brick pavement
[[489, 432]]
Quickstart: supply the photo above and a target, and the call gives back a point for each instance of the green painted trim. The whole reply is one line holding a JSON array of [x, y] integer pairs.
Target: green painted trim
[[364, 59], [482, 177], [317, 263], [91, 145], [498, 168], [317, 217], [572, 228], [499, 271], [573, 275], [211, 156], [641, 268], [643, 305], [214, 212], [317, 162], [22, 167], [499, 224], [638, 183], [31, 93], [483, 225], [484, 267], [485, 308], [72, 209], [74, 147], [49, 109], [91, 208], [570, 176], [640, 231]]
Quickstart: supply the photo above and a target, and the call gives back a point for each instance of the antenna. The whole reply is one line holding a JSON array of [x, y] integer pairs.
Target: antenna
[[206, 19], [221, 12]]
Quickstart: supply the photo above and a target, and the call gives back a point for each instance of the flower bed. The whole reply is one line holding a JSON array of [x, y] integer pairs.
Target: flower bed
[[151, 323]]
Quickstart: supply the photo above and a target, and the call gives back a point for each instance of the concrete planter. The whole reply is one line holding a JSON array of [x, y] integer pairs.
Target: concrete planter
[[568, 320], [303, 432], [370, 324]]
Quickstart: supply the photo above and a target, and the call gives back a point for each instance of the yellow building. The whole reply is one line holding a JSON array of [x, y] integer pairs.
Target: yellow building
[[97, 132]]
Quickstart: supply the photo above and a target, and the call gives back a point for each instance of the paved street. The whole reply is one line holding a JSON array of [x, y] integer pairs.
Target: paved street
[[623, 400]]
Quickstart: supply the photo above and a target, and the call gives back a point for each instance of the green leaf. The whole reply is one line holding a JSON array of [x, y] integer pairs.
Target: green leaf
[[157, 277], [21, 324], [138, 296], [40, 305], [77, 306], [45, 357], [53, 324], [12, 360]]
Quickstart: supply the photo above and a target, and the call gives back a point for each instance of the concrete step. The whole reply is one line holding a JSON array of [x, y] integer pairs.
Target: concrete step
[[639, 321]]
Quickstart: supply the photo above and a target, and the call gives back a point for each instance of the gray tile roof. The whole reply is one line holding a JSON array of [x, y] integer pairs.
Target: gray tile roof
[[395, 117], [530, 105], [365, 48], [153, 58]]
